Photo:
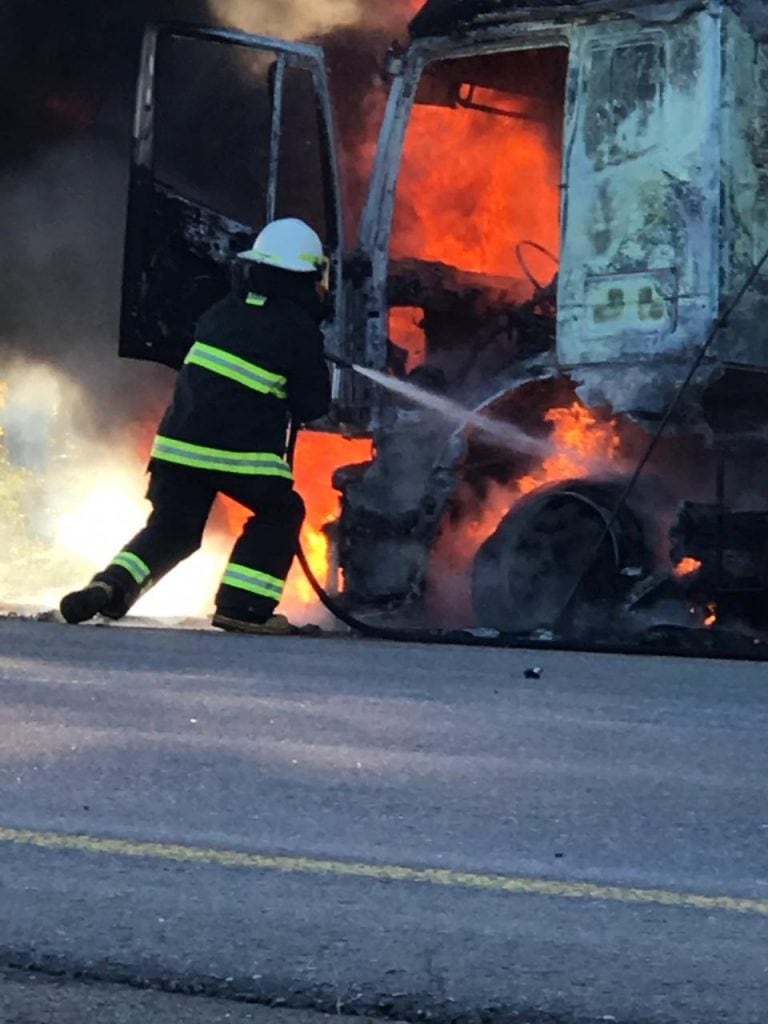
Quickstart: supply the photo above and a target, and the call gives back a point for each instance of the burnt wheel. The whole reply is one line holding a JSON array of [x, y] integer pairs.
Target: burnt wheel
[[524, 573]]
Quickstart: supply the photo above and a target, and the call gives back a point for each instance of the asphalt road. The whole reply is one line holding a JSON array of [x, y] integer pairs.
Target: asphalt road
[[355, 824], [31, 997]]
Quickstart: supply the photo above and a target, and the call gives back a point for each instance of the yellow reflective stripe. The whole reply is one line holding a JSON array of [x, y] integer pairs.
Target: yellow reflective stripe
[[254, 582], [198, 457], [264, 255], [308, 257], [252, 299], [138, 568], [217, 360]]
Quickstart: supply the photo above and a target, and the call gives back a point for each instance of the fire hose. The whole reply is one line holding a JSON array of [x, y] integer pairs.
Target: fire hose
[[463, 637], [377, 632], [476, 638]]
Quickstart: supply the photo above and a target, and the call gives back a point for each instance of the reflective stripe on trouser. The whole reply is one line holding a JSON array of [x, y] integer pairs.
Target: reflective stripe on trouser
[[217, 360], [135, 566], [181, 502], [197, 457], [255, 582]]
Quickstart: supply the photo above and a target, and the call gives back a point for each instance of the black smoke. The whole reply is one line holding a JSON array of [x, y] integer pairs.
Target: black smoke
[[66, 95], [67, 80], [67, 68]]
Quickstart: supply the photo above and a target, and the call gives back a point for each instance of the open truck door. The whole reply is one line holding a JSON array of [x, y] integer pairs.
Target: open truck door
[[231, 131]]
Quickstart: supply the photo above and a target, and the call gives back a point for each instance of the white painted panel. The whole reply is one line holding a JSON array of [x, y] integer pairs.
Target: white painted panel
[[641, 201]]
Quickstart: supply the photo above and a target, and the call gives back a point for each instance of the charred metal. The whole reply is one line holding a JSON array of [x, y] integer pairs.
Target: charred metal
[[630, 142]]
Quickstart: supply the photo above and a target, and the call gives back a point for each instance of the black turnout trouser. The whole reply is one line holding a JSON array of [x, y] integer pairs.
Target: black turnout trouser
[[181, 502]]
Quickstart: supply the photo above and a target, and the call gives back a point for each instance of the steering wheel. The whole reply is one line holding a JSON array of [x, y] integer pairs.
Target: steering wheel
[[524, 266]]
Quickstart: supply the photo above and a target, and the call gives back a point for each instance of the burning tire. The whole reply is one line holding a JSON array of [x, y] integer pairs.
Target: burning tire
[[524, 573]]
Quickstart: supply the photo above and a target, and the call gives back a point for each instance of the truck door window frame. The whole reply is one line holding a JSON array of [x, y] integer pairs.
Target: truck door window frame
[[142, 179]]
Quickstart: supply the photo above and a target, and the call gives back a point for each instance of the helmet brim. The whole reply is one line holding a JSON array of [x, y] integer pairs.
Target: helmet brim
[[296, 267]]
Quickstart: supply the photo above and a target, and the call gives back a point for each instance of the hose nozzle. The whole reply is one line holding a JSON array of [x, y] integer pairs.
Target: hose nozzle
[[338, 361]]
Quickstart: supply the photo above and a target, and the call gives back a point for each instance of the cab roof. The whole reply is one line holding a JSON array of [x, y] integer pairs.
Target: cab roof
[[447, 17]]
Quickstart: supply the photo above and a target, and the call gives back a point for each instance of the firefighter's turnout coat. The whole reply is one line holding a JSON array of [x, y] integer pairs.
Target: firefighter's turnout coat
[[257, 359]]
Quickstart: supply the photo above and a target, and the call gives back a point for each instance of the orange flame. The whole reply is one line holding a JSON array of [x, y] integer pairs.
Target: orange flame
[[687, 566], [472, 185], [582, 444], [406, 331], [711, 616], [317, 457]]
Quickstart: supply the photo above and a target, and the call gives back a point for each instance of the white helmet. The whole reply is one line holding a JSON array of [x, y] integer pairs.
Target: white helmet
[[289, 244]]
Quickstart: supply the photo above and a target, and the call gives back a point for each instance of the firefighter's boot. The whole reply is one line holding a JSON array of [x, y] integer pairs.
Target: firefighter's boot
[[81, 605], [275, 625]]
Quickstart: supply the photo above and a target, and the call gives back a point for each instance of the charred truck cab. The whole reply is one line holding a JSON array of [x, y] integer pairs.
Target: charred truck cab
[[564, 198]]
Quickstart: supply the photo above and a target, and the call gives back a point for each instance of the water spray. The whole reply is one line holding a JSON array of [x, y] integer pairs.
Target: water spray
[[503, 433]]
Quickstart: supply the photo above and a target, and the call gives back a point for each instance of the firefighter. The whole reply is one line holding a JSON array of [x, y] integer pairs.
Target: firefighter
[[257, 360]]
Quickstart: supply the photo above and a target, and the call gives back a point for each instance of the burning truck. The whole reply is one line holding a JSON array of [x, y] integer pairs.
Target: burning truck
[[564, 198]]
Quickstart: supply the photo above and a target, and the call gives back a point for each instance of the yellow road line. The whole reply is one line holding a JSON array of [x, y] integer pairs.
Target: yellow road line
[[379, 872]]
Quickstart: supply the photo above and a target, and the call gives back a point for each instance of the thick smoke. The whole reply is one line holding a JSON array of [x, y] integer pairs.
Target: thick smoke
[[67, 97], [298, 19], [75, 420]]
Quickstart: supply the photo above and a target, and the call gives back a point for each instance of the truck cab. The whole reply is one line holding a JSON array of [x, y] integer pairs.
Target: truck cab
[[563, 197]]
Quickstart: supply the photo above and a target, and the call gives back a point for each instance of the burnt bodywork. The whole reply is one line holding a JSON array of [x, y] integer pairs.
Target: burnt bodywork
[[660, 119], [194, 204]]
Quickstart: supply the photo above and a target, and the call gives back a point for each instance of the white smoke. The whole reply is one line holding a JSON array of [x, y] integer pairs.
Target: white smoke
[[76, 418], [294, 19], [297, 19], [70, 500], [71, 473]]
